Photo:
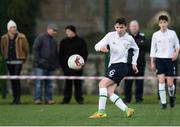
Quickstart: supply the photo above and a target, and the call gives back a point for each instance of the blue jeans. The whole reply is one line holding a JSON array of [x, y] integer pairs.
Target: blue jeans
[[47, 83]]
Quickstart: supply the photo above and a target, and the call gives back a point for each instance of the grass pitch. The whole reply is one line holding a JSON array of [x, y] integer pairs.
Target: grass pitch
[[77, 115]]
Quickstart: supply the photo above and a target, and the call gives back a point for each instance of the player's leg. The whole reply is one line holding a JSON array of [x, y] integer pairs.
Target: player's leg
[[171, 91], [118, 101], [171, 71], [171, 86], [175, 74], [161, 71], [120, 72], [115, 98], [104, 83], [162, 91], [116, 72]]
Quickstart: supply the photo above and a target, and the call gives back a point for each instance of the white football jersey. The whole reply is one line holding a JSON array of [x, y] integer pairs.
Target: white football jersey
[[164, 44], [119, 47]]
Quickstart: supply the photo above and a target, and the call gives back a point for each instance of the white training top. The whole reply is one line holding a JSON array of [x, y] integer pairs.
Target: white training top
[[164, 44], [119, 47]]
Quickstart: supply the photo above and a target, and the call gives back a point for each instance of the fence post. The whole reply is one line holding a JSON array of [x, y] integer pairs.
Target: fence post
[[106, 28], [3, 29]]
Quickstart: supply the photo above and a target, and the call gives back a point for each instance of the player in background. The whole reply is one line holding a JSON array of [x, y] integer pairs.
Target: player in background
[[164, 51], [119, 42]]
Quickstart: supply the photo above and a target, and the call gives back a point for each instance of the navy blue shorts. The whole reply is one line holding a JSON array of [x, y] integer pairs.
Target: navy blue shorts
[[165, 66], [116, 72]]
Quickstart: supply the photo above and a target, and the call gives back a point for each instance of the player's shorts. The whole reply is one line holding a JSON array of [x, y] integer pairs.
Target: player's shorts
[[165, 66], [116, 72]]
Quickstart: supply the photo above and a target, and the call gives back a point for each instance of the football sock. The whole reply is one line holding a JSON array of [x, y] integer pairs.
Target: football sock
[[162, 93], [102, 99], [118, 102], [171, 90]]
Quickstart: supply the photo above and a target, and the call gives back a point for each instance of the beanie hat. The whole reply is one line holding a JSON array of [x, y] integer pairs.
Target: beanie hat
[[71, 27], [10, 24]]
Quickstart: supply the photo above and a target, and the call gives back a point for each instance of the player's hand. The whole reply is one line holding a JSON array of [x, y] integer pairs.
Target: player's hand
[[153, 67], [134, 67], [105, 50], [174, 57]]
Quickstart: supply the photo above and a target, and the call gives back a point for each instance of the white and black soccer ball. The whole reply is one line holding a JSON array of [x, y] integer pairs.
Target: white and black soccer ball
[[75, 62]]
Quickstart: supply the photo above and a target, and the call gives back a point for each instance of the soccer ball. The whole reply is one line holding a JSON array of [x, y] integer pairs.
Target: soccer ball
[[75, 62]]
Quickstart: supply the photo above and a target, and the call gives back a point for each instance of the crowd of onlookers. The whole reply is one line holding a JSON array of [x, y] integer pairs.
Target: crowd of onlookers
[[46, 59]]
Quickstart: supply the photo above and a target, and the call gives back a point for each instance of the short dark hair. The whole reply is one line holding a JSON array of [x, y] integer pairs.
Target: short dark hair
[[121, 20], [163, 17], [71, 27]]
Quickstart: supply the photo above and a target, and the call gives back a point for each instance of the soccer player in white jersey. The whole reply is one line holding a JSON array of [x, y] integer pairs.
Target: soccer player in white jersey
[[164, 51], [119, 42]]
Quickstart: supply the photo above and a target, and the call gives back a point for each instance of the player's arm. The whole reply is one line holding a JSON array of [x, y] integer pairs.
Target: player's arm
[[153, 67], [135, 55], [175, 54], [102, 45], [153, 52]]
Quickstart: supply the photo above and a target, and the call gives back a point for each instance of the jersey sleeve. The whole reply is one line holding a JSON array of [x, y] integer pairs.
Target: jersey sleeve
[[102, 43], [135, 51], [153, 46], [176, 41]]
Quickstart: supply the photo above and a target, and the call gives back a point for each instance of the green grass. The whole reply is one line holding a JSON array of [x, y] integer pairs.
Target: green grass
[[74, 114]]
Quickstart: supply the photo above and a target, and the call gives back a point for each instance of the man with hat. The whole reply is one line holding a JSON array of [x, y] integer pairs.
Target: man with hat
[[70, 45], [45, 62], [14, 49]]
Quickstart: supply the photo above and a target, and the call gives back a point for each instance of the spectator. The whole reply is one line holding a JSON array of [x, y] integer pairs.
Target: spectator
[[14, 49], [72, 44], [141, 42], [45, 62]]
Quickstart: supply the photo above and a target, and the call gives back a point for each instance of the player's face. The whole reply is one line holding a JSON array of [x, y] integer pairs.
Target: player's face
[[163, 24], [120, 28], [69, 33], [13, 30], [134, 27]]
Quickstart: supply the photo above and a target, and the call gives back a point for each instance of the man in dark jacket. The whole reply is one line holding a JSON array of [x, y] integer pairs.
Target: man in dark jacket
[[14, 49], [141, 42], [72, 44], [45, 62]]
